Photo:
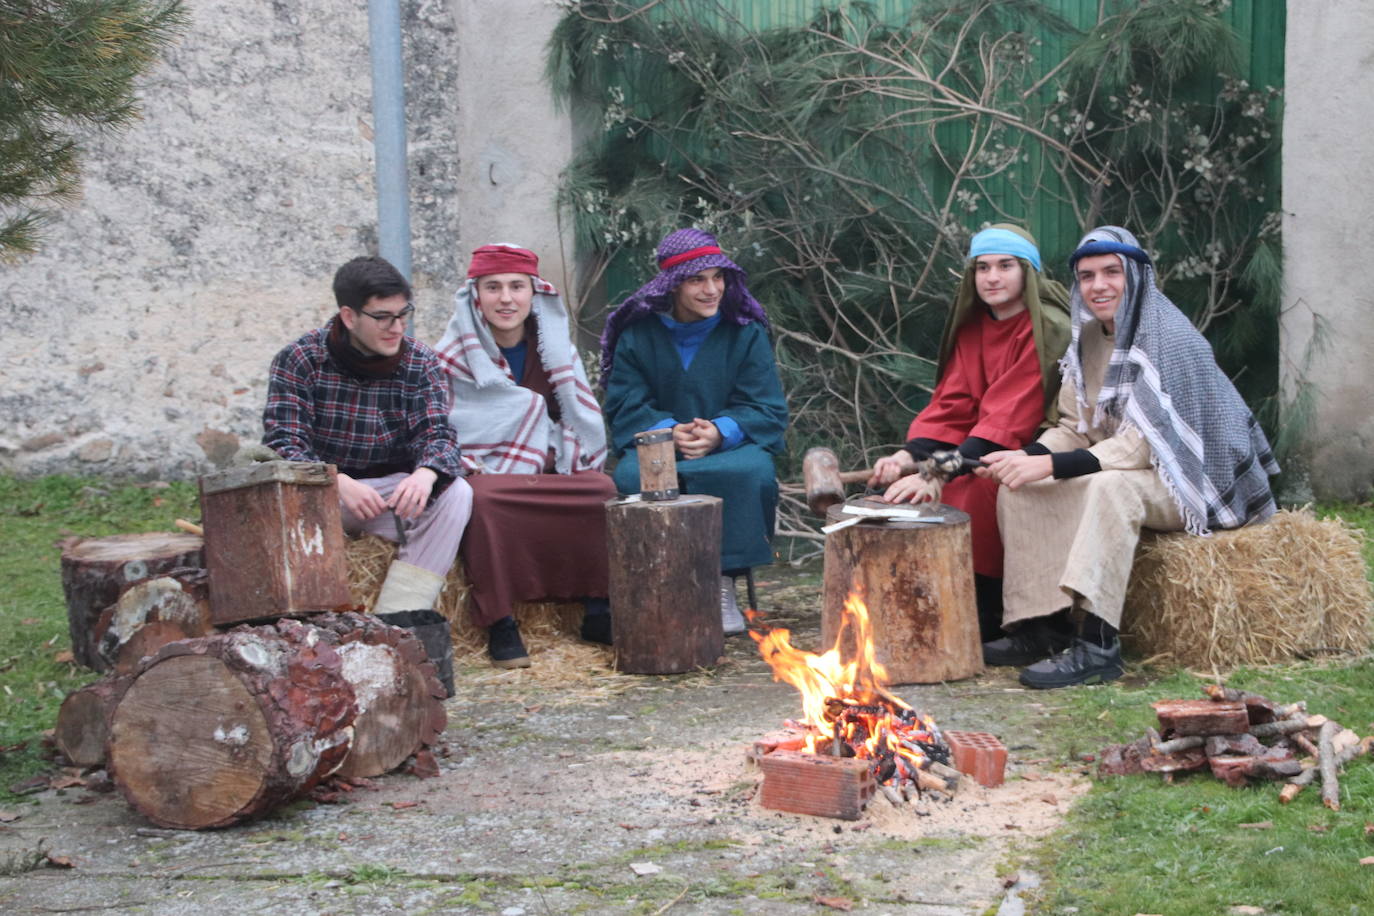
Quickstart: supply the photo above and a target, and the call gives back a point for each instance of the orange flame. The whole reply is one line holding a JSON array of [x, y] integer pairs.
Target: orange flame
[[847, 700]]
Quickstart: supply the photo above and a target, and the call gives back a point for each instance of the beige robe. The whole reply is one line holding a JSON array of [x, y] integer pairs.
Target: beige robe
[[1076, 538]]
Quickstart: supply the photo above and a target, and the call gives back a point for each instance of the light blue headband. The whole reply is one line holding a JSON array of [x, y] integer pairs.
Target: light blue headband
[[1003, 241]]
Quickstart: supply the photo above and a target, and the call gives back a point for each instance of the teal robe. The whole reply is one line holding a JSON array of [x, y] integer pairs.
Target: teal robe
[[732, 375]]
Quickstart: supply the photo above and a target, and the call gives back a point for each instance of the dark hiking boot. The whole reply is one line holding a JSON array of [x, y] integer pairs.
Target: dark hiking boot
[[1081, 663], [1030, 642], [504, 645], [596, 620]]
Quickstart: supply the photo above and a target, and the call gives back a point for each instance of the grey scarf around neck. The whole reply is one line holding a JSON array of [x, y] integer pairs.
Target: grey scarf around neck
[[1163, 380]]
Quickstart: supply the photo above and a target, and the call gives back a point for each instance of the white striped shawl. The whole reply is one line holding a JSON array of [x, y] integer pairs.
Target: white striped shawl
[[504, 428]]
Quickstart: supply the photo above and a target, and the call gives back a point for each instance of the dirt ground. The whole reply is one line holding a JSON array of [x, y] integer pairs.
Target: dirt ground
[[601, 793]]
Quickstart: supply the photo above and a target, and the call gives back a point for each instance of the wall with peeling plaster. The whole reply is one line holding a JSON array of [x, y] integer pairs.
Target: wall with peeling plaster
[[137, 340]]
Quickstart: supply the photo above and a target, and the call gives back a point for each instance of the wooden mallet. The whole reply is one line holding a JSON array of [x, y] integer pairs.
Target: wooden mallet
[[824, 481]]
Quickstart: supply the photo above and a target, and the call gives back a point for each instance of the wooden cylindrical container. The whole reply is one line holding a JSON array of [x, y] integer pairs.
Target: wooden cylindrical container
[[916, 580], [665, 583], [274, 541], [657, 464]]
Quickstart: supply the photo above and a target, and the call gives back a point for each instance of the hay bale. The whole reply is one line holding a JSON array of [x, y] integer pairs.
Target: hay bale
[[1293, 587], [550, 629]]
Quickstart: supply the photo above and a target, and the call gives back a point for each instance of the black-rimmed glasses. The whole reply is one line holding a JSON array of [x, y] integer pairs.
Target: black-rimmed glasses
[[387, 319]]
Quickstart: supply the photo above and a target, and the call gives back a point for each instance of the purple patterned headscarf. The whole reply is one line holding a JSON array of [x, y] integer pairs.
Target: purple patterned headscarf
[[680, 255]]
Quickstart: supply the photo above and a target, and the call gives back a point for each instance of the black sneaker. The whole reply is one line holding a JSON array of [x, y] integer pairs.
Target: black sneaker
[[504, 645], [597, 628], [1081, 663], [1030, 642]]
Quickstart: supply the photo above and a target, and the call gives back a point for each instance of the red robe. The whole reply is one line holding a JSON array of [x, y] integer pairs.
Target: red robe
[[991, 388]]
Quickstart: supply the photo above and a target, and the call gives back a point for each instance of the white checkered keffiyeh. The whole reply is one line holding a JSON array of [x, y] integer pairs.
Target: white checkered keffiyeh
[[1163, 380]]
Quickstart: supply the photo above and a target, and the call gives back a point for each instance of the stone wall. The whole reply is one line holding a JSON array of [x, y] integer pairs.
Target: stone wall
[[138, 338], [1327, 332]]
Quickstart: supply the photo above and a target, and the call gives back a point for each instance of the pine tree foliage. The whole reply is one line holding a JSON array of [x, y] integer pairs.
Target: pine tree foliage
[[67, 67], [847, 161]]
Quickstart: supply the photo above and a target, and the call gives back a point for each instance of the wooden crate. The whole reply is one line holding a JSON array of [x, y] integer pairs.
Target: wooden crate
[[274, 541]]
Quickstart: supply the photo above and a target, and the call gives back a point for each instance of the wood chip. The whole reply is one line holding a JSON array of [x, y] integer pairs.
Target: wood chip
[[835, 903], [645, 868], [1257, 825]]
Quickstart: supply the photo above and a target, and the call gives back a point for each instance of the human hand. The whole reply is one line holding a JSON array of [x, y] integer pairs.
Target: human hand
[[913, 488], [1016, 469], [700, 438], [359, 499], [410, 496], [889, 469]]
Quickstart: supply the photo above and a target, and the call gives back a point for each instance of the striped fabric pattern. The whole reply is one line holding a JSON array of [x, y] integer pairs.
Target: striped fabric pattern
[[504, 428], [1163, 380]]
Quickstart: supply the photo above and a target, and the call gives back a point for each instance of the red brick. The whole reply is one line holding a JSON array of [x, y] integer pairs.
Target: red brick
[[979, 755], [816, 784]]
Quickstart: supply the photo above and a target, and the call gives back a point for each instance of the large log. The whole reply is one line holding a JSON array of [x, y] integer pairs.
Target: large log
[[274, 542], [83, 721], [220, 729], [916, 580], [96, 570], [399, 695], [150, 614], [665, 583]]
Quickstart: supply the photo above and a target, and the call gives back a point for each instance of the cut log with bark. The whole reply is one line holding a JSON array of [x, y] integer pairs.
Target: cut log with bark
[[96, 570], [665, 581], [150, 614], [83, 721], [399, 696], [1180, 718], [223, 728], [1326, 761], [916, 579]]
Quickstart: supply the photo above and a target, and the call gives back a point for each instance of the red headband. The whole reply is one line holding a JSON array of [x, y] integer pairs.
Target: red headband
[[503, 259], [688, 255]]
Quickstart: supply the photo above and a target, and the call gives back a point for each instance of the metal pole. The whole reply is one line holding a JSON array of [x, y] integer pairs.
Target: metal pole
[[389, 133]]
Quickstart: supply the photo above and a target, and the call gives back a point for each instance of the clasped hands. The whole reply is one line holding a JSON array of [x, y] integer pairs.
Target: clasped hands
[[697, 438], [407, 500]]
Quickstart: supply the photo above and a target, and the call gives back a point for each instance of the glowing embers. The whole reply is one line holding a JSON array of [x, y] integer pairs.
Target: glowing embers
[[868, 737]]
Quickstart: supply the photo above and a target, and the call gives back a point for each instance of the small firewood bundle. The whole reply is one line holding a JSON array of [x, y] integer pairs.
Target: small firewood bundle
[[1241, 736]]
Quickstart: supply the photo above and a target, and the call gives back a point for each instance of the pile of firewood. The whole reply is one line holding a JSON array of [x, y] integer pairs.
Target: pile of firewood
[[1241, 736], [206, 719]]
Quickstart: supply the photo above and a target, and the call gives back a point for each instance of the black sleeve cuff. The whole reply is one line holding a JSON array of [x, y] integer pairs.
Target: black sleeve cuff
[[920, 449], [1076, 463], [1036, 448]]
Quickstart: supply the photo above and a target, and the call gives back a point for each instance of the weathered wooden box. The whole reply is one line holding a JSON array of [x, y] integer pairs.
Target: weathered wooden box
[[274, 542]]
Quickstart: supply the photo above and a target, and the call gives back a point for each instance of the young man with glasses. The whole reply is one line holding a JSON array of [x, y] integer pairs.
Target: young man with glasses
[[359, 394]]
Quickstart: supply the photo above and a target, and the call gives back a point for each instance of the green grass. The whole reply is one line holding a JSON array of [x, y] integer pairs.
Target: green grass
[[35, 516]]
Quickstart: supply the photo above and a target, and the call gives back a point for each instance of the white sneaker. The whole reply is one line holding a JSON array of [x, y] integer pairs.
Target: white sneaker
[[731, 620]]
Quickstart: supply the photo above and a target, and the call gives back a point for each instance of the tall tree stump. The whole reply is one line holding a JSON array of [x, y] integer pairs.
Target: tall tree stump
[[665, 583], [399, 696], [96, 570], [917, 581], [274, 541], [220, 729]]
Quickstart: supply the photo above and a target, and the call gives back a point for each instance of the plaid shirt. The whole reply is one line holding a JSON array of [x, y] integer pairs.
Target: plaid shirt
[[367, 427]]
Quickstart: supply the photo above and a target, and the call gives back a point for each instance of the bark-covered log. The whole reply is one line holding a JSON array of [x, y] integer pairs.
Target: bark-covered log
[[223, 728], [665, 583], [917, 583], [1326, 760], [1178, 718], [83, 721], [399, 696], [150, 614], [96, 570]]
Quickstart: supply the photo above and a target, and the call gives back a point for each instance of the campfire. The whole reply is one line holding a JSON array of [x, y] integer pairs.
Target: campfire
[[854, 737]]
